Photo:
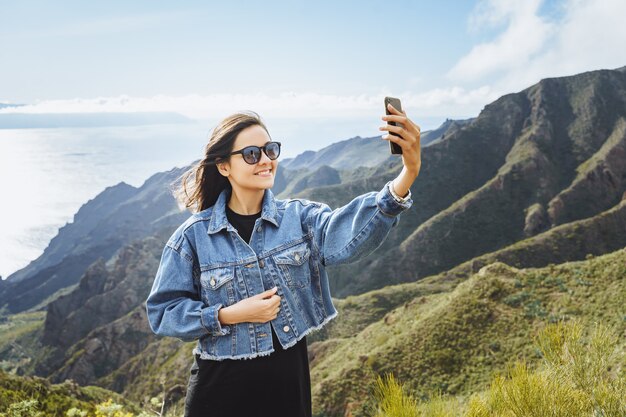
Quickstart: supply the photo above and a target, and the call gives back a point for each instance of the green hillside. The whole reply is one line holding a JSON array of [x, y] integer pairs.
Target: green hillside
[[456, 341], [433, 335], [39, 395]]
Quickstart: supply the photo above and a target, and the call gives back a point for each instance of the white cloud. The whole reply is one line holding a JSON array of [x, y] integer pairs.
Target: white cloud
[[447, 102], [493, 13], [589, 35], [524, 36]]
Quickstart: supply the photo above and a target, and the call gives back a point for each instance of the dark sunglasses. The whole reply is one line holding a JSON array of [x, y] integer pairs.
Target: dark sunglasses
[[252, 154]]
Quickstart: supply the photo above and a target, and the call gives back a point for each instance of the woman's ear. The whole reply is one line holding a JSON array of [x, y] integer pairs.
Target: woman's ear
[[223, 169]]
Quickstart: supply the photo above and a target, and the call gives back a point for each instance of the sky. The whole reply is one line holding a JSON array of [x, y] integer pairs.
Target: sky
[[331, 62]]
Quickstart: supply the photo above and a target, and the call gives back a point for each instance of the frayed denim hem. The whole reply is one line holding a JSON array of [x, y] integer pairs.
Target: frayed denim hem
[[204, 355]]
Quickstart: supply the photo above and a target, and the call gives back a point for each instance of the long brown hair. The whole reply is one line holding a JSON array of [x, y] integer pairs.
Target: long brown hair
[[199, 187]]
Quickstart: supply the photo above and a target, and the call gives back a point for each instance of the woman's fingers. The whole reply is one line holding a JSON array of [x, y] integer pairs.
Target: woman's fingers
[[402, 119], [409, 133], [395, 118], [404, 144], [405, 135]]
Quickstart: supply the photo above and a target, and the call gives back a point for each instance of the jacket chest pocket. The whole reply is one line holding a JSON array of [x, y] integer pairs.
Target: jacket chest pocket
[[293, 265], [218, 285]]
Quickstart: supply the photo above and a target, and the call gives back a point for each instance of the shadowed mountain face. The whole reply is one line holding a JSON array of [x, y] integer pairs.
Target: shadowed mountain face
[[106, 291], [551, 154], [538, 178]]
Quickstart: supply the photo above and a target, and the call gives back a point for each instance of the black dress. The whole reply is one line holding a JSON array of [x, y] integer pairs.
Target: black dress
[[277, 385]]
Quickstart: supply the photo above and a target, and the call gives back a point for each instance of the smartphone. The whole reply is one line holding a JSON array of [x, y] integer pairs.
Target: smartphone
[[395, 102]]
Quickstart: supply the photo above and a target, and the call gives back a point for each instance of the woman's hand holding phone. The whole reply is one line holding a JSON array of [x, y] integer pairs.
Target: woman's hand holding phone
[[407, 137]]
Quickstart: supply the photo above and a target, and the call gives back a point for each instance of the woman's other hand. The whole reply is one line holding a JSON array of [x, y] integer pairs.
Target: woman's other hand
[[259, 308]]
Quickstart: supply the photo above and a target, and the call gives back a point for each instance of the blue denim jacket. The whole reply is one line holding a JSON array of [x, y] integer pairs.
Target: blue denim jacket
[[206, 265]]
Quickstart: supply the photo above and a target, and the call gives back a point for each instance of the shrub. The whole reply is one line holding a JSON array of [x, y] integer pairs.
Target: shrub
[[25, 408], [392, 402], [575, 379]]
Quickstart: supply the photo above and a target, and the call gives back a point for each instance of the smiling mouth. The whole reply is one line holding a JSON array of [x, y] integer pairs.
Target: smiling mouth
[[265, 173]]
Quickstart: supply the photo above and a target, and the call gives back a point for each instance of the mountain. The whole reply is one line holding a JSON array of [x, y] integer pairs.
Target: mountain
[[519, 219], [301, 180], [447, 128], [109, 293], [548, 155], [10, 105]]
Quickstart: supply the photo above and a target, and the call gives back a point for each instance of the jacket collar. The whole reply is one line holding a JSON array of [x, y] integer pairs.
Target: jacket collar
[[219, 220]]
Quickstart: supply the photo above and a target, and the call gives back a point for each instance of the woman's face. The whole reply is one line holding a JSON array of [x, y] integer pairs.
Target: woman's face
[[243, 175]]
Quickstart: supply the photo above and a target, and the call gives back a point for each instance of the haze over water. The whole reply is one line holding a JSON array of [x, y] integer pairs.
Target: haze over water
[[47, 174]]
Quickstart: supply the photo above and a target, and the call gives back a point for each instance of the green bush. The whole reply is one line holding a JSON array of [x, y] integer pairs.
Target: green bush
[[25, 408], [393, 402], [574, 379]]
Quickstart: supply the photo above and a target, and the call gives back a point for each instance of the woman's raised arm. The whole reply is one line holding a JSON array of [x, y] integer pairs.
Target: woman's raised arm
[[355, 230]]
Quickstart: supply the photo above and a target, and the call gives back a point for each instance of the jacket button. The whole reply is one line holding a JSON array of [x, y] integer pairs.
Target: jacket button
[[297, 256], [286, 328], [261, 263], [258, 229], [212, 281]]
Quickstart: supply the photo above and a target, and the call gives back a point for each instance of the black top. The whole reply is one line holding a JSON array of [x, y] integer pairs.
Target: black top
[[244, 223], [277, 385]]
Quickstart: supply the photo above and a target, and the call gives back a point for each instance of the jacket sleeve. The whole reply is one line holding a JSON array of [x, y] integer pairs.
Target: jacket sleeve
[[351, 232], [173, 306]]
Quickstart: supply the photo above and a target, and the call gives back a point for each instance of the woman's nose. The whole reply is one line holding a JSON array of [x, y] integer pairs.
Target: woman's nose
[[264, 159]]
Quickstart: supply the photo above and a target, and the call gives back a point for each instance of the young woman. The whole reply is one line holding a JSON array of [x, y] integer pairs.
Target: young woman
[[245, 274]]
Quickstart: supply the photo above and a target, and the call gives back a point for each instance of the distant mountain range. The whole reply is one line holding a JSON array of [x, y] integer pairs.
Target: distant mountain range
[[355, 152], [10, 105], [56, 120], [519, 218]]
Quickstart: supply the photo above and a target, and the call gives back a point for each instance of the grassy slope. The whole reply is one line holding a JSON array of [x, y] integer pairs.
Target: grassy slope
[[19, 340], [161, 366], [456, 341], [431, 334], [55, 399]]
